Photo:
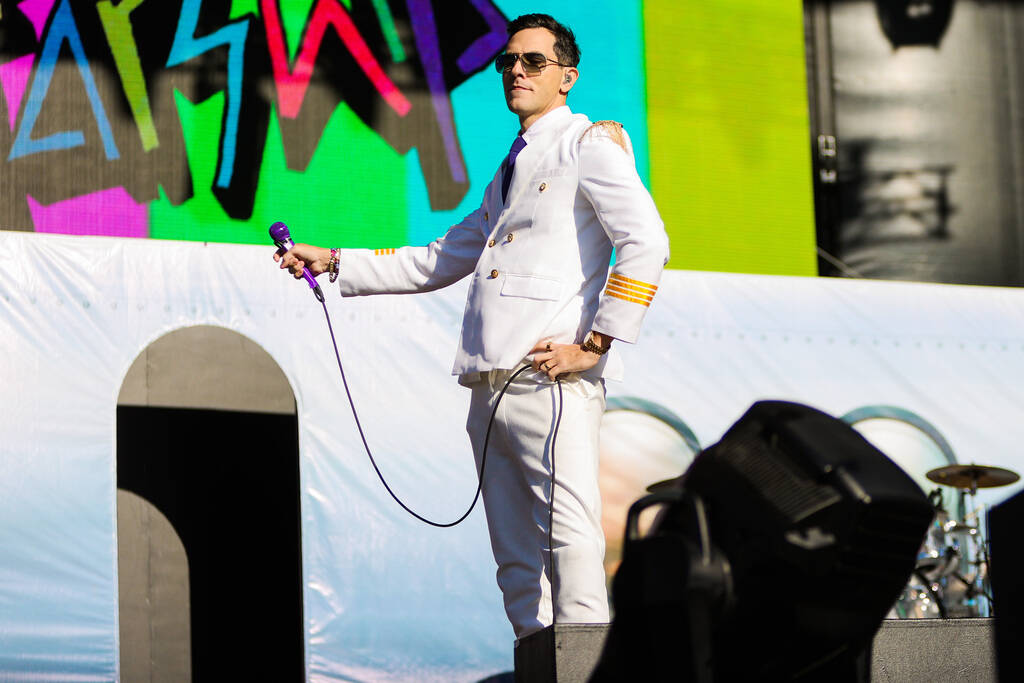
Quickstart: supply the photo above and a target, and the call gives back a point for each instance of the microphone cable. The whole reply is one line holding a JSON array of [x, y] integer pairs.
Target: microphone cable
[[483, 456], [281, 237]]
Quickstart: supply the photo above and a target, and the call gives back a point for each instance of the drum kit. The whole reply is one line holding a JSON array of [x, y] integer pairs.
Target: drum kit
[[951, 577]]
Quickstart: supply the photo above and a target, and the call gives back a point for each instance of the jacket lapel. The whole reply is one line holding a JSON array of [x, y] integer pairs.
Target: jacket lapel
[[540, 149]]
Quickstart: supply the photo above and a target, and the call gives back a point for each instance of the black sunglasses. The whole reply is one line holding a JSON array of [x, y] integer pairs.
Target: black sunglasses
[[533, 62]]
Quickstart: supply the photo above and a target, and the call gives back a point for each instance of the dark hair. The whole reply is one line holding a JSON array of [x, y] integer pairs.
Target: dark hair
[[566, 49]]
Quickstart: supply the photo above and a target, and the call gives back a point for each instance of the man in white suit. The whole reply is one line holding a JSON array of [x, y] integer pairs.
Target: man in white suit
[[538, 250]]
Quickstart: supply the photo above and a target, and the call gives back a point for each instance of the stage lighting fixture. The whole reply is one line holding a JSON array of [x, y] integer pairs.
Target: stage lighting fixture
[[914, 22], [777, 556]]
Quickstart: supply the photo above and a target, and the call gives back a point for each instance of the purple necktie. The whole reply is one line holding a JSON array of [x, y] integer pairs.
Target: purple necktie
[[510, 163]]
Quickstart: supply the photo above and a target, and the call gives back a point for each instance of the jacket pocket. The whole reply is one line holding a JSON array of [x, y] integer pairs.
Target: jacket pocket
[[531, 287]]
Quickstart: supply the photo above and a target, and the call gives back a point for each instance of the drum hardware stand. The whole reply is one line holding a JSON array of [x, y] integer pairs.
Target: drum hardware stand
[[967, 479], [929, 586]]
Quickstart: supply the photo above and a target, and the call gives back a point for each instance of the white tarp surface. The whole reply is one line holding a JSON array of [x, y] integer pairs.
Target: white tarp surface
[[386, 598]]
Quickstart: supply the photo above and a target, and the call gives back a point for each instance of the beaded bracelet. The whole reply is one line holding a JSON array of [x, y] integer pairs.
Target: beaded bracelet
[[332, 266]]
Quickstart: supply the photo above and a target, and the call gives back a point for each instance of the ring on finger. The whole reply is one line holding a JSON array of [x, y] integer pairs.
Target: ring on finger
[[548, 347]]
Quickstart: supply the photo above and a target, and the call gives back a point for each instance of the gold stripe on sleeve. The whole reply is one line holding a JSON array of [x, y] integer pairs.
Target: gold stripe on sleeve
[[625, 281], [612, 287], [643, 302], [630, 289]]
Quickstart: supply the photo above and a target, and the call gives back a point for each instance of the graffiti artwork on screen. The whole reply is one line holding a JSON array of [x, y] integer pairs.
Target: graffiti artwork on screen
[[89, 95]]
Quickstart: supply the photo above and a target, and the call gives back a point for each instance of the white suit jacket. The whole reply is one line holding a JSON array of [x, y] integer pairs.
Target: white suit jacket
[[539, 261]]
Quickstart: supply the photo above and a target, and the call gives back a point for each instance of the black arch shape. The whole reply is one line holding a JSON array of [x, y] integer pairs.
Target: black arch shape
[[228, 482]]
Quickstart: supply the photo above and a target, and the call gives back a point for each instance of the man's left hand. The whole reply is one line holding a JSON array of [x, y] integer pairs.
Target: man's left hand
[[560, 359]]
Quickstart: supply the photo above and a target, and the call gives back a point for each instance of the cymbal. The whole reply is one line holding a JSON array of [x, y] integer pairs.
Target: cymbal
[[972, 476]]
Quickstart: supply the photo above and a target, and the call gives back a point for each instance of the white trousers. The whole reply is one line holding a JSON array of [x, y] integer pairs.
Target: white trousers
[[517, 490]]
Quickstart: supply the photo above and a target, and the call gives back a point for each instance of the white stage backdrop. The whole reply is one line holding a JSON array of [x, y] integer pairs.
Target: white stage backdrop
[[931, 372]]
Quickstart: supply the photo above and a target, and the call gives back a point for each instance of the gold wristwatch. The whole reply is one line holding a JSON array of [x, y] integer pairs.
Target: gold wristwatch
[[589, 345]]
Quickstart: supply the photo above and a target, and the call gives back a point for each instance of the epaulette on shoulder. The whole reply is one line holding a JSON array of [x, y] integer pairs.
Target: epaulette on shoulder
[[610, 129]]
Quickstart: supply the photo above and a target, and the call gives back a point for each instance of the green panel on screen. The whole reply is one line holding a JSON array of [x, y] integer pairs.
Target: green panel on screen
[[728, 133], [352, 192]]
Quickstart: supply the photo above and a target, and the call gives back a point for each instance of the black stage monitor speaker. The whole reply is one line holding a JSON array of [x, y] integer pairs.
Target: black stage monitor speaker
[[1005, 522], [778, 555]]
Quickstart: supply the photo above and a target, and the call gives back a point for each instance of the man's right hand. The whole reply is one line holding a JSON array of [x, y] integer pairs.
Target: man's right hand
[[303, 256]]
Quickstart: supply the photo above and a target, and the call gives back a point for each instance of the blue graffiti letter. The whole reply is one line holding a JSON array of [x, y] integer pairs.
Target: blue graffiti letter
[[186, 46], [62, 28]]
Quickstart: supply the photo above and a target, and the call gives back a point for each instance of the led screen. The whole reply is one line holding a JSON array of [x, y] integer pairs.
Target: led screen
[[379, 123]]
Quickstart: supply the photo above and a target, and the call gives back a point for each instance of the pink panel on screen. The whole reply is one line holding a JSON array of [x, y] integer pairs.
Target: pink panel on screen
[[13, 79], [107, 212], [37, 11]]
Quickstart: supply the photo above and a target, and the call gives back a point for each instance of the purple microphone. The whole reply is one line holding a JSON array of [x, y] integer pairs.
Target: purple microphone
[[283, 240]]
